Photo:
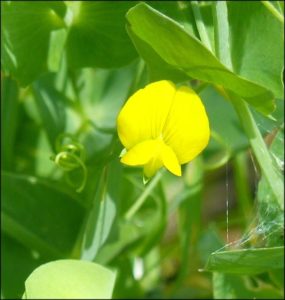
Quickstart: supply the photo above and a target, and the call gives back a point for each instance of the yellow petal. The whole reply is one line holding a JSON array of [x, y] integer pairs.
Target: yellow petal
[[152, 154], [140, 154], [186, 129], [143, 115], [152, 166], [170, 160]]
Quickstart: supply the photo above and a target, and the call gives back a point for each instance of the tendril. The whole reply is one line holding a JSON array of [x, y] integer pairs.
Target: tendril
[[70, 156]]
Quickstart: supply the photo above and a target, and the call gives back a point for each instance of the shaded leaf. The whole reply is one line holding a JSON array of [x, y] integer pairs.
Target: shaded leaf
[[50, 104], [17, 262], [9, 120], [26, 31], [246, 261], [94, 41], [103, 213], [228, 286], [27, 212]]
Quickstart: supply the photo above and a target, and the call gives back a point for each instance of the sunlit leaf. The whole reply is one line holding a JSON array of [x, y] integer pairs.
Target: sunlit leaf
[[174, 46], [70, 279]]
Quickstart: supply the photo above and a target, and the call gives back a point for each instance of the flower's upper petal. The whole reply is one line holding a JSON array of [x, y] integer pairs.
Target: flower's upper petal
[[144, 114], [186, 129]]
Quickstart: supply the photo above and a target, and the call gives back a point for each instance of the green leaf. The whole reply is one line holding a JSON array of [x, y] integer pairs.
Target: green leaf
[[270, 212], [97, 36], [222, 34], [184, 52], [9, 120], [103, 213], [26, 31], [70, 279], [129, 233], [158, 69], [50, 104], [246, 261], [229, 286], [56, 49], [218, 108], [15, 256], [38, 214], [179, 11], [257, 59]]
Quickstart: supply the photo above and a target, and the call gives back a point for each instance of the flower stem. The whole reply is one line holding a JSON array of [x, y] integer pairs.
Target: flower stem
[[140, 201], [266, 162]]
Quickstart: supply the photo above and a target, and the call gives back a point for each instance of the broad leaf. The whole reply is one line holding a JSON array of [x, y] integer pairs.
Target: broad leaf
[[26, 32], [95, 41], [184, 52], [257, 59], [246, 261], [103, 213], [70, 279], [27, 212]]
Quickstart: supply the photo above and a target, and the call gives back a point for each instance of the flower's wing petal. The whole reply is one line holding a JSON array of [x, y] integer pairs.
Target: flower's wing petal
[[144, 114], [140, 154], [170, 160], [186, 129]]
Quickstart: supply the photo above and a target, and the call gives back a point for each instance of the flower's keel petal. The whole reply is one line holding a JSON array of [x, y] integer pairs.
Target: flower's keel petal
[[144, 114], [170, 160], [152, 167], [186, 129], [140, 154]]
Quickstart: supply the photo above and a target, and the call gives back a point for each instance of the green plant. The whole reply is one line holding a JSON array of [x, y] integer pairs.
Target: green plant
[[67, 68]]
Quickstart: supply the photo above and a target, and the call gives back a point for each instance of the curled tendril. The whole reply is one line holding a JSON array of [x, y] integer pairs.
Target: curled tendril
[[70, 156]]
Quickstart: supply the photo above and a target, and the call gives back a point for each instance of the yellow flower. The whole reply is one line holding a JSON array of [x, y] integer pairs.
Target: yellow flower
[[162, 125]]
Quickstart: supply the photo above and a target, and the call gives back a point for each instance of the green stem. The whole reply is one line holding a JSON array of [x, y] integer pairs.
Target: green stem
[[222, 32], [263, 157], [274, 11], [189, 221], [140, 201], [200, 25], [241, 182]]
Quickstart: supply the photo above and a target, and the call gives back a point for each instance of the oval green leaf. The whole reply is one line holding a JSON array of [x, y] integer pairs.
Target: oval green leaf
[[70, 279]]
